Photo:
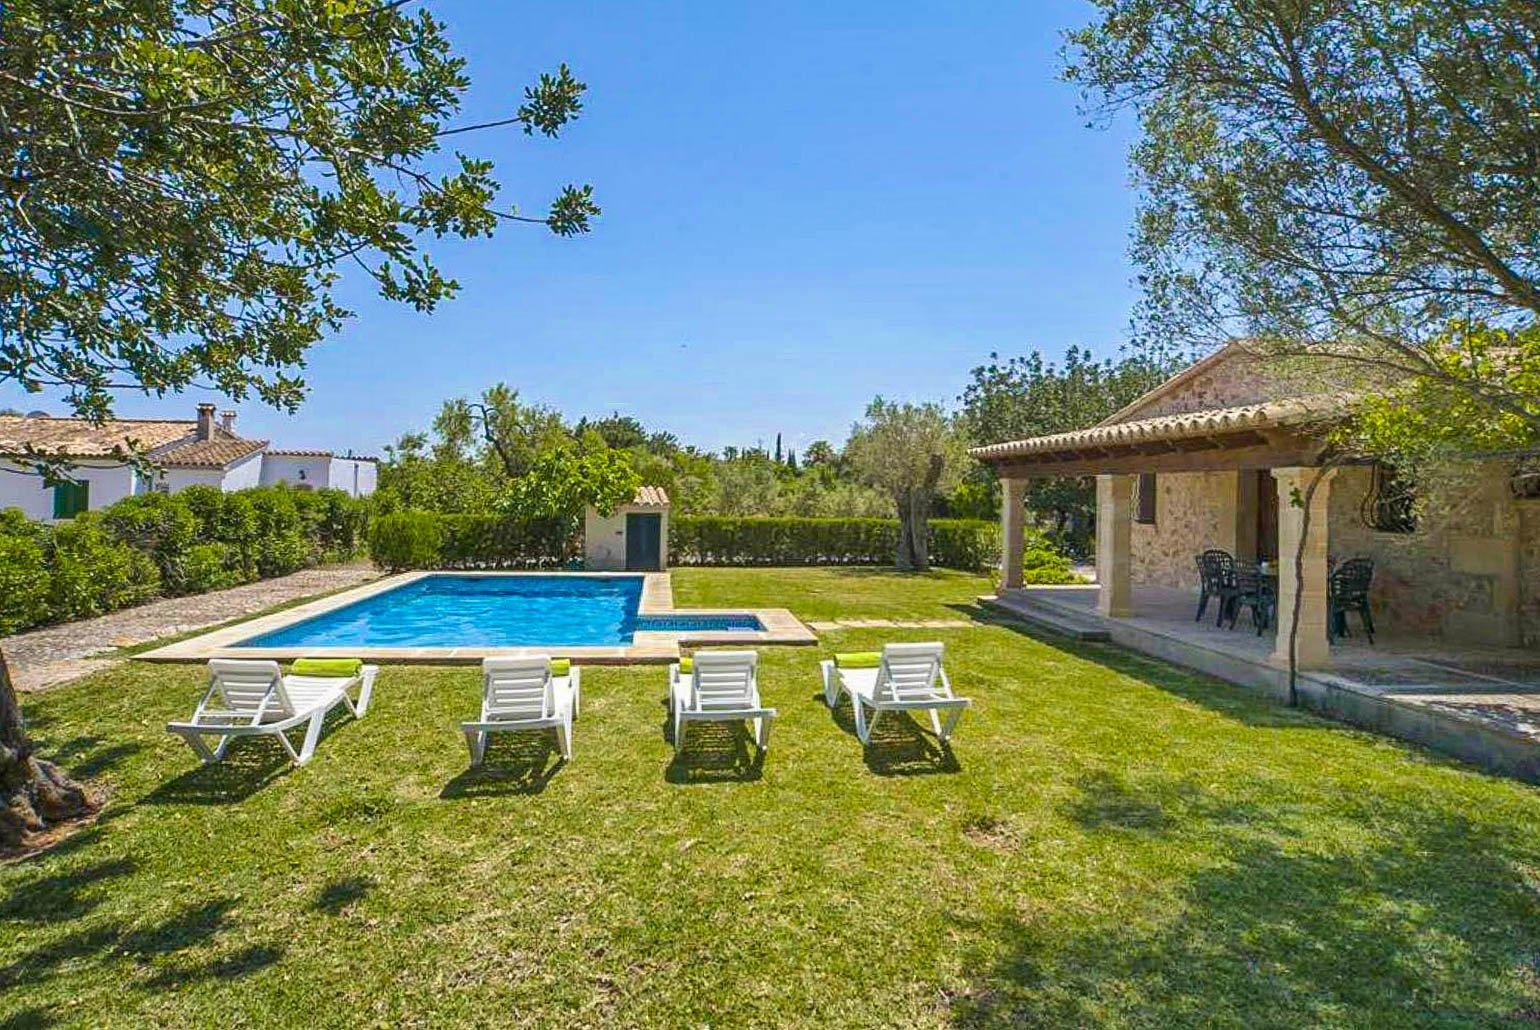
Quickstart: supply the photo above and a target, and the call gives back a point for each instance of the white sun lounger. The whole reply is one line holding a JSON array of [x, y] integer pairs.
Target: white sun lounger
[[722, 686], [521, 694], [908, 678], [254, 698]]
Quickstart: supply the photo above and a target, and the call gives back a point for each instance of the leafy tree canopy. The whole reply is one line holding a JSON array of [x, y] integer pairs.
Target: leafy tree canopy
[[1355, 178], [182, 180], [910, 452]]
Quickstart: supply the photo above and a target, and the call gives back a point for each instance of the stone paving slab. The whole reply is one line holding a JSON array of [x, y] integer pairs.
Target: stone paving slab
[[55, 655], [826, 626]]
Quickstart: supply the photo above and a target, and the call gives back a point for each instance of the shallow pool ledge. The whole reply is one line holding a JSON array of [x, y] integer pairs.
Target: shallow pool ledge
[[647, 646]]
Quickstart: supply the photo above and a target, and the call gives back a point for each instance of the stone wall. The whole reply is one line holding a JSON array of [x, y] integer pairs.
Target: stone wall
[[1470, 573], [1193, 512], [1231, 378]]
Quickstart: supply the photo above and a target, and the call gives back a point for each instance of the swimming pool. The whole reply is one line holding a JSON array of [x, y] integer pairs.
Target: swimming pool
[[447, 610]]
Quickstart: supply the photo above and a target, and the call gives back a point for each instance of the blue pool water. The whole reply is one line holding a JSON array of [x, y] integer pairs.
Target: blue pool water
[[494, 611]]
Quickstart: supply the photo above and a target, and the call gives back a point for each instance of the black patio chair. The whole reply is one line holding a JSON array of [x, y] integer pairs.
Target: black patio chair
[[1347, 590], [1216, 579], [1253, 592]]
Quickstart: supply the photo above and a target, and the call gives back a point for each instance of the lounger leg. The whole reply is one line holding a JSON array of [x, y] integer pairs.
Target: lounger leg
[[831, 693], [312, 737], [195, 741], [222, 747], [365, 693], [935, 722], [952, 716], [678, 731], [564, 736], [477, 742], [762, 732], [861, 731]]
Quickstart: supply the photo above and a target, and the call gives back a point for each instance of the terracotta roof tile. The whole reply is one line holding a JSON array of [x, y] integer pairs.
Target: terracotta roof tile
[[78, 438], [1290, 412], [651, 496], [217, 453]]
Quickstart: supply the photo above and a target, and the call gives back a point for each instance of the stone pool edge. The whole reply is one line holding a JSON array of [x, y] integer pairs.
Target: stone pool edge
[[647, 646]]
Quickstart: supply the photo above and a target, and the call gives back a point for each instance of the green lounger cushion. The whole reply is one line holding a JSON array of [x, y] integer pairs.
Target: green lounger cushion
[[561, 666], [858, 660], [687, 664], [343, 667]]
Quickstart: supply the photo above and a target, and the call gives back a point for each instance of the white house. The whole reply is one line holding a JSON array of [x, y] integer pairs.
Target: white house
[[183, 452]]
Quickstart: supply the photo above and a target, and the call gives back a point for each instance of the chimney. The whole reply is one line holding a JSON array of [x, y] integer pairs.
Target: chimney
[[205, 421], [227, 422]]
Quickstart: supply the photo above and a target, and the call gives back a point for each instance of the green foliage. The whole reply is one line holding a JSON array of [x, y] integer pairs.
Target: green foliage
[[1028, 396], [194, 171], [497, 542], [911, 452], [160, 526], [407, 540], [23, 583], [1345, 177], [727, 540], [90, 572], [1044, 565], [561, 481], [185, 543]]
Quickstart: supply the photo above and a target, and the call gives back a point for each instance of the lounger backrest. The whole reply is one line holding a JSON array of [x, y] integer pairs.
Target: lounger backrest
[[518, 686], [908, 672], [240, 685], [723, 679]]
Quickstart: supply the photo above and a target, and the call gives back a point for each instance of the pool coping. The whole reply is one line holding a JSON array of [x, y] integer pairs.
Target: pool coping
[[781, 627]]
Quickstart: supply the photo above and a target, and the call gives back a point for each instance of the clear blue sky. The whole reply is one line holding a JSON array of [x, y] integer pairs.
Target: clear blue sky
[[805, 204]]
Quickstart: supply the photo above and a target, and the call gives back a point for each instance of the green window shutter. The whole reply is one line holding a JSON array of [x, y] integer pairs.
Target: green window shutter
[[70, 499]]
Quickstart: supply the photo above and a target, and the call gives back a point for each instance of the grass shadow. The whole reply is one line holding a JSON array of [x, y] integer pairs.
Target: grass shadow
[[1245, 705], [250, 764], [899, 746], [341, 893], [715, 752], [515, 762], [1436, 923], [89, 756], [28, 1019], [63, 896]]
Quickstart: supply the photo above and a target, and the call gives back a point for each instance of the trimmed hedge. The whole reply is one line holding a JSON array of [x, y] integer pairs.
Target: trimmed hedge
[[166, 544], [416, 539], [970, 544]]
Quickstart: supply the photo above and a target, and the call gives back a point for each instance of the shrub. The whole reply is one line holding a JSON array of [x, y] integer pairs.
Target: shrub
[[93, 573], [496, 542], [282, 547], [1041, 564], [24, 582], [728, 540], [159, 526], [407, 540]]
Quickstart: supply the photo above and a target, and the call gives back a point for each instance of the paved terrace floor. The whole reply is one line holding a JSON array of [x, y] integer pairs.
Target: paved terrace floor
[[57, 654], [1491, 687]]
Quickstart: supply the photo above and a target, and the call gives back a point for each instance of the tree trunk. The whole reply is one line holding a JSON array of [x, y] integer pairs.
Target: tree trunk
[[903, 558], [34, 794], [919, 542]]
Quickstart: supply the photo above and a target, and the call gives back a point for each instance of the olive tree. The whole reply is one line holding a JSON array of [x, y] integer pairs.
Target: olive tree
[[911, 452]]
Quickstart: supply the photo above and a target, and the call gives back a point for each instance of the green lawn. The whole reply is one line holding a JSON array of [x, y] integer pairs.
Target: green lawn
[[856, 593], [1111, 842]]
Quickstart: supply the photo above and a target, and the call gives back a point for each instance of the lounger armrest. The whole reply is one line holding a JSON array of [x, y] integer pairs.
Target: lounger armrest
[[830, 682]]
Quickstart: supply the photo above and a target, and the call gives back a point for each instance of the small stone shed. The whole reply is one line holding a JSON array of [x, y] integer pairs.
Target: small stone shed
[[632, 539]]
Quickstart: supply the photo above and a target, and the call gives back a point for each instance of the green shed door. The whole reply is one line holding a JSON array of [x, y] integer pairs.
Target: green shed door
[[70, 499], [644, 543]]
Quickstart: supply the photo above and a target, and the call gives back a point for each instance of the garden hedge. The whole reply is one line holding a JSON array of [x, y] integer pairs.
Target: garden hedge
[[152, 545], [970, 544], [414, 539]]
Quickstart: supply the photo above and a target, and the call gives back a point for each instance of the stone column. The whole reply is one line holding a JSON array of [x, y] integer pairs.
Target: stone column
[[1012, 520], [1312, 649], [1114, 544]]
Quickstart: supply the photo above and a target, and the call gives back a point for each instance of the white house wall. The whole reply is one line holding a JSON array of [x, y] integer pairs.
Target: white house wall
[[354, 475], [24, 489], [313, 471]]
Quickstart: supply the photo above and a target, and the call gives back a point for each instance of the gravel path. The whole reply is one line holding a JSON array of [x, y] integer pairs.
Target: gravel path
[[48, 657]]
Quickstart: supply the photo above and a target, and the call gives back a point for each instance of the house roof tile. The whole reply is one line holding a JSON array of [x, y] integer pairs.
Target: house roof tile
[[78, 438]]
